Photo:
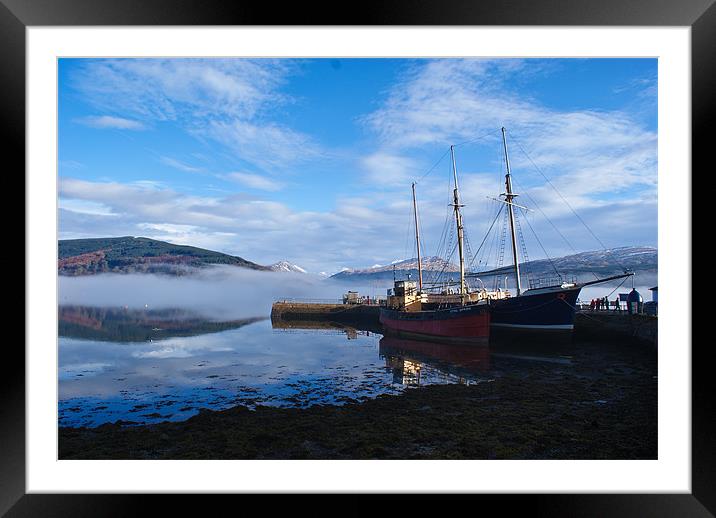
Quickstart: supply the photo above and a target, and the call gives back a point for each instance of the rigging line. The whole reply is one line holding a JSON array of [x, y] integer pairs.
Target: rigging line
[[542, 247], [619, 286], [487, 233], [434, 166], [420, 225], [569, 244], [443, 236], [528, 266], [563, 199], [442, 245], [576, 309], [476, 139], [495, 209], [407, 234], [445, 264]]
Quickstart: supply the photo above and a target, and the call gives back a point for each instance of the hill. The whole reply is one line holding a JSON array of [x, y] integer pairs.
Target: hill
[[137, 255]]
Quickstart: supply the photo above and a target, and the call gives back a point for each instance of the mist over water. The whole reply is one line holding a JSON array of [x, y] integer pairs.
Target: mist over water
[[132, 348], [220, 292]]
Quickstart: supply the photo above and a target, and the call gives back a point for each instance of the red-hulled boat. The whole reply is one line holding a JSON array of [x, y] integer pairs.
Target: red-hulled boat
[[461, 317], [459, 324]]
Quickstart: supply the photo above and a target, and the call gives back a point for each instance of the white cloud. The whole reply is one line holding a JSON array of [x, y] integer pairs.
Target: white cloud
[[172, 89], [86, 207], [386, 169], [255, 181], [267, 145], [109, 122]]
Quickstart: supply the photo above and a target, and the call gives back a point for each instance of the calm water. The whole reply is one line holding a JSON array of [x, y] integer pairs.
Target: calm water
[[141, 366]]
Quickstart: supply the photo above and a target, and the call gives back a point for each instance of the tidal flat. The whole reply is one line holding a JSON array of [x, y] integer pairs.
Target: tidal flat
[[597, 401]]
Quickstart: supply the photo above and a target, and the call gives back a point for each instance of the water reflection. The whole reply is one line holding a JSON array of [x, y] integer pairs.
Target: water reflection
[[134, 325], [334, 328], [413, 361], [145, 366]]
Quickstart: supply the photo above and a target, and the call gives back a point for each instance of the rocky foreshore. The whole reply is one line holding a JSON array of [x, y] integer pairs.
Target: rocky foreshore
[[602, 405]]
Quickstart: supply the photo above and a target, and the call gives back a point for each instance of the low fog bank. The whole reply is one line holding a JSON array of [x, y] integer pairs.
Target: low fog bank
[[221, 292], [226, 292]]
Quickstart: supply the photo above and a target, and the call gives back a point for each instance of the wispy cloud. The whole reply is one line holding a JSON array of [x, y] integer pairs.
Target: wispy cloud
[[110, 122], [268, 145], [384, 168], [176, 164], [255, 181], [227, 100], [442, 102]]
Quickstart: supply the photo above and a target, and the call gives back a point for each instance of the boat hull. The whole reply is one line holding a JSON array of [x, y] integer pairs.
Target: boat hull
[[462, 324], [549, 314]]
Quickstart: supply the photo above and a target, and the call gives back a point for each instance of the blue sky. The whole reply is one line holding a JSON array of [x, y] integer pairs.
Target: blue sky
[[311, 160]]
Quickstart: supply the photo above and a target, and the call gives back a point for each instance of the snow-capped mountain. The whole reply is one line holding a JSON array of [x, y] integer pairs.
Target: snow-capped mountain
[[285, 266], [432, 266], [604, 262]]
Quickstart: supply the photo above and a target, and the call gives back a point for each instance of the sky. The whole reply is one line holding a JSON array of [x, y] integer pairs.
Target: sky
[[312, 160]]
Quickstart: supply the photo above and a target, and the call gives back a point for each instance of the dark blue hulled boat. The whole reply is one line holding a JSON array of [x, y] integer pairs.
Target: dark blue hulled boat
[[545, 309], [549, 310]]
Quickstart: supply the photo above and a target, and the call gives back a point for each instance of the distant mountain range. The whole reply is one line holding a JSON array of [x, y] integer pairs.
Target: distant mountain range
[[138, 255], [432, 268], [581, 265], [603, 262], [144, 255]]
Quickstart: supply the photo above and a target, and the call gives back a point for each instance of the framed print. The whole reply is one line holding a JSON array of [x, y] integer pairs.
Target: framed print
[[270, 255]]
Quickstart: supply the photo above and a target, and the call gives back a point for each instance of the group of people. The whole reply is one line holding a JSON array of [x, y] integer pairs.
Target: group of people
[[602, 304]]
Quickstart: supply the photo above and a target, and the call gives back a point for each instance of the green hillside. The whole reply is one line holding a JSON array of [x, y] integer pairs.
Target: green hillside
[[137, 255]]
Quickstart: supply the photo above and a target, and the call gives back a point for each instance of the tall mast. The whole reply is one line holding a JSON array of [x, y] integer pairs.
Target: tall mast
[[417, 241], [458, 221], [509, 195]]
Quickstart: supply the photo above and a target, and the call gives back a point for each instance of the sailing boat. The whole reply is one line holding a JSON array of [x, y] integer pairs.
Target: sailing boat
[[547, 309], [412, 312]]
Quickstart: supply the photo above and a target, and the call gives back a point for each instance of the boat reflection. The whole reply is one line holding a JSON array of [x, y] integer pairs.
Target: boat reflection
[[325, 327], [410, 359], [121, 324]]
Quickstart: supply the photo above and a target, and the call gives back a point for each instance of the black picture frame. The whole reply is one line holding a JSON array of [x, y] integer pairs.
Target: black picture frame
[[700, 15]]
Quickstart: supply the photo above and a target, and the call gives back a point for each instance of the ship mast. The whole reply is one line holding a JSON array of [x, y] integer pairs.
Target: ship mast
[[509, 195], [458, 221], [417, 241]]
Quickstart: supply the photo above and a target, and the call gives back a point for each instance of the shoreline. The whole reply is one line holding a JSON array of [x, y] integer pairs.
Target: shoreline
[[601, 406]]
